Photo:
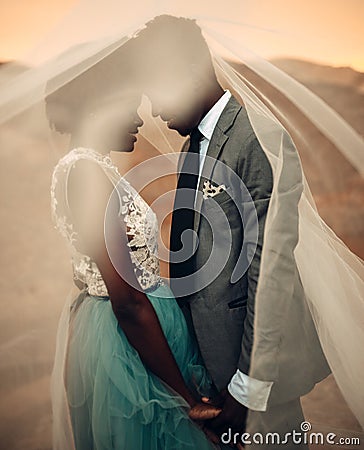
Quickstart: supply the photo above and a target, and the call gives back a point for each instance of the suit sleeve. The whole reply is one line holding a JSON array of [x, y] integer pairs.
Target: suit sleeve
[[256, 173]]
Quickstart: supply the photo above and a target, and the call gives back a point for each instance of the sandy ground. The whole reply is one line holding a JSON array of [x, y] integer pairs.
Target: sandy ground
[[35, 278]]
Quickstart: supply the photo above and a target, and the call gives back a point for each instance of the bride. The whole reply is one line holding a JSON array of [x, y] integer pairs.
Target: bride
[[130, 370]]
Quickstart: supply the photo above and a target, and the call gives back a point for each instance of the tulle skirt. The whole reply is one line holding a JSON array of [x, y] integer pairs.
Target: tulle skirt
[[114, 401]]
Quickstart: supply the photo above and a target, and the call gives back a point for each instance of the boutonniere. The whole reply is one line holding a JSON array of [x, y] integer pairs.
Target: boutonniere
[[211, 189]]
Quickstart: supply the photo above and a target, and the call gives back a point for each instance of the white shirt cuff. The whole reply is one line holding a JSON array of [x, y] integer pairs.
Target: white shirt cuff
[[250, 392]]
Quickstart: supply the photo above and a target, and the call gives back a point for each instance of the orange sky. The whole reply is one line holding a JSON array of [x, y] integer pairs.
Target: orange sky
[[328, 31]]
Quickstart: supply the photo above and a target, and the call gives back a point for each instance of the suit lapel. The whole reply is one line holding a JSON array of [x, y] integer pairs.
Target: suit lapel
[[217, 142]]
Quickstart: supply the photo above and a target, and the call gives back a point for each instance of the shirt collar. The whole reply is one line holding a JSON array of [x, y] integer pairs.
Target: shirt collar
[[208, 123]]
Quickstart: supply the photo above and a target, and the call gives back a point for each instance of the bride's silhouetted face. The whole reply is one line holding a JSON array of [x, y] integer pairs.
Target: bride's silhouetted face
[[99, 107], [111, 124], [103, 123]]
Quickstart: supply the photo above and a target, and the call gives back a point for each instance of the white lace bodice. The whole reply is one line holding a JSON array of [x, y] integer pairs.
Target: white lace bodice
[[139, 220]]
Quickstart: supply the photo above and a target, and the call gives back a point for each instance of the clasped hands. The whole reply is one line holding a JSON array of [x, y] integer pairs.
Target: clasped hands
[[215, 416]]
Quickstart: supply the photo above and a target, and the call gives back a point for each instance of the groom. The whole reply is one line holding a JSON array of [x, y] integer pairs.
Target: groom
[[219, 303]]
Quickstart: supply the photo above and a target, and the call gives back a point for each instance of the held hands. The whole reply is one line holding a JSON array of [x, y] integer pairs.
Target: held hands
[[202, 413], [233, 415]]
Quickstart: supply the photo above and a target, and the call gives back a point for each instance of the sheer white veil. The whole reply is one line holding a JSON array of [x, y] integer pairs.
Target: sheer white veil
[[332, 276]]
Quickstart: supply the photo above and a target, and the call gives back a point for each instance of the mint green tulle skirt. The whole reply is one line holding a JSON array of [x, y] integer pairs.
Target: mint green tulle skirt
[[115, 401]]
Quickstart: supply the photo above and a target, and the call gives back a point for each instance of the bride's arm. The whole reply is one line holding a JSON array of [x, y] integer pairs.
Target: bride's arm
[[88, 194]]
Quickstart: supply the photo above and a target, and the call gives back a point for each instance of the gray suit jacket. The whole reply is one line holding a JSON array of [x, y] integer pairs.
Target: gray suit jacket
[[222, 310]]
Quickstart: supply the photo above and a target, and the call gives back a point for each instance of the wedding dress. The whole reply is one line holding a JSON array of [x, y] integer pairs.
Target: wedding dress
[[113, 400]]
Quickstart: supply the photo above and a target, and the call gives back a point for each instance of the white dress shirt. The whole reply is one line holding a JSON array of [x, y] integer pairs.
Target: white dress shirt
[[248, 391], [207, 126]]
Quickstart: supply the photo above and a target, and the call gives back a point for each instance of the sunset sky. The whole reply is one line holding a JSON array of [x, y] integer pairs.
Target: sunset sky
[[327, 31]]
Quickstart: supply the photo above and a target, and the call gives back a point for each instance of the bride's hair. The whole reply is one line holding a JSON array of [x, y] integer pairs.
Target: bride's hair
[[109, 77]]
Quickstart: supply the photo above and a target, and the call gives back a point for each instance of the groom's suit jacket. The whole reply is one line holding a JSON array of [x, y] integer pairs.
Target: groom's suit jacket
[[222, 311]]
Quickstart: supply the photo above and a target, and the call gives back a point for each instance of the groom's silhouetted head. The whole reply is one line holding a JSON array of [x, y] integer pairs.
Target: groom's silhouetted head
[[177, 71]]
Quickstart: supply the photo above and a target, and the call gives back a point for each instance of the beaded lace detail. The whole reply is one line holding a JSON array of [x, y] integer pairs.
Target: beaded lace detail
[[140, 223]]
